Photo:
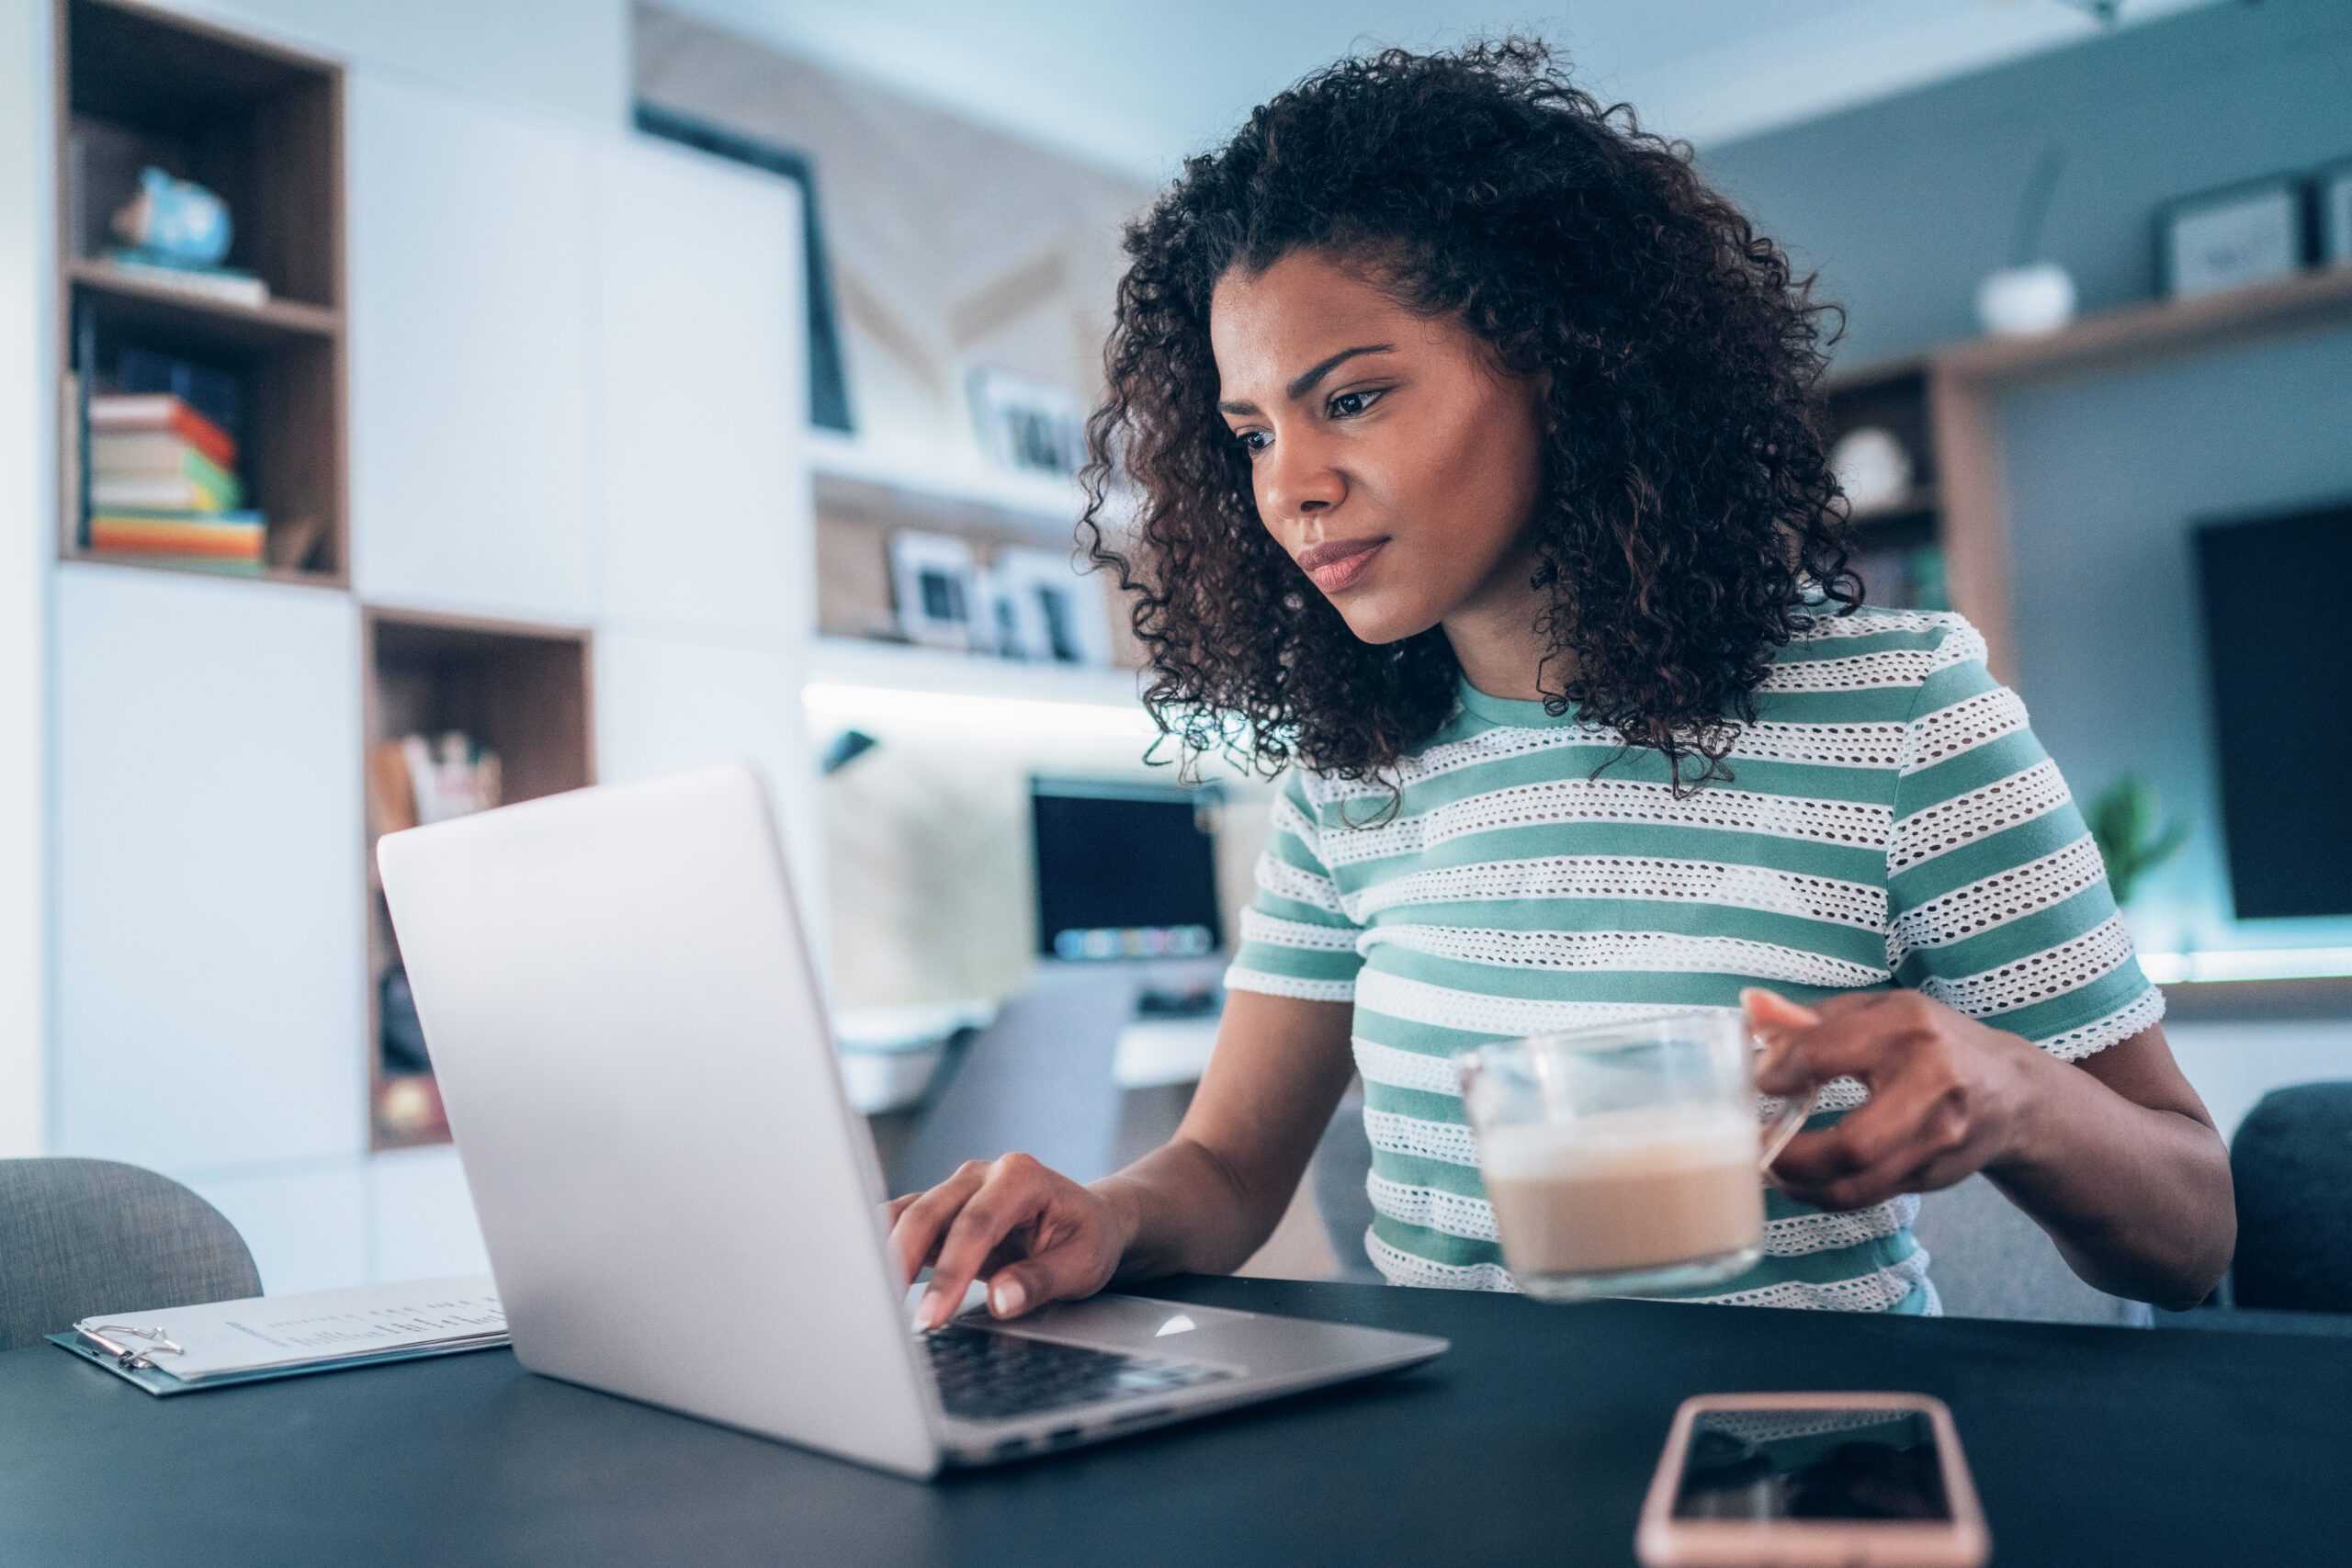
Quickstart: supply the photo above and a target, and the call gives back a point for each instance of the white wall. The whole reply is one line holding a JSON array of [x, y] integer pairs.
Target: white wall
[[28, 425], [2232, 1065], [569, 56]]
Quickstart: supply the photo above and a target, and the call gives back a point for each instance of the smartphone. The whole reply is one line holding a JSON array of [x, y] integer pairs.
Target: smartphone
[[1796, 1479]]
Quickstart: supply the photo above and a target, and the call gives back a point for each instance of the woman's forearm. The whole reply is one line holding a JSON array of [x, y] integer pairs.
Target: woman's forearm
[[1210, 1196], [2137, 1198], [1186, 1211]]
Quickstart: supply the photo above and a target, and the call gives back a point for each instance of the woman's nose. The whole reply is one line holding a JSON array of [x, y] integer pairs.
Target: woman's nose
[[1298, 482]]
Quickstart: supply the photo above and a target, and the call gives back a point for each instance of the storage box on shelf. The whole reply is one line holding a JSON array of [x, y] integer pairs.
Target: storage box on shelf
[[520, 693], [261, 127]]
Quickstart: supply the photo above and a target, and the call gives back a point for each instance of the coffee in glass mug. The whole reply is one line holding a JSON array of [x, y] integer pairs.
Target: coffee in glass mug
[[1625, 1158]]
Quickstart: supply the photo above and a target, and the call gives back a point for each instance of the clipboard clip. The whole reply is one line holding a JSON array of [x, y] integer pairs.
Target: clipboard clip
[[128, 1357]]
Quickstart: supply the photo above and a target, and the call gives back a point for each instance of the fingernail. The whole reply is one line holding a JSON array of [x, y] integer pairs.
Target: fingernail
[[926, 1310], [1007, 1299]]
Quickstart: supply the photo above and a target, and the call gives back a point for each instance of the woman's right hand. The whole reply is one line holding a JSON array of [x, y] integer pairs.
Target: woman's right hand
[[1031, 1234]]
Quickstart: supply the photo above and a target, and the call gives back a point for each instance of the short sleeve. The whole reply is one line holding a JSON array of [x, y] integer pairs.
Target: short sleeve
[[1296, 937], [1997, 901]]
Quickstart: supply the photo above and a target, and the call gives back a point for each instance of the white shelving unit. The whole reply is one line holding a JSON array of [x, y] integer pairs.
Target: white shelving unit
[[577, 378], [952, 488], [880, 667]]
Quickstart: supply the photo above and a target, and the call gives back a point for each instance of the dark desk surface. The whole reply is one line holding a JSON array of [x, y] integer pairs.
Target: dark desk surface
[[1531, 1442]]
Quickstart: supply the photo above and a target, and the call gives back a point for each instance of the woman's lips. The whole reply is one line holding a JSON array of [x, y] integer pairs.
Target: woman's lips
[[1336, 566]]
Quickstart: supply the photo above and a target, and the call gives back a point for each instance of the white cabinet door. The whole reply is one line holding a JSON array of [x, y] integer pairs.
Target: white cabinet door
[[210, 879], [701, 387], [471, 453], [665, 704]]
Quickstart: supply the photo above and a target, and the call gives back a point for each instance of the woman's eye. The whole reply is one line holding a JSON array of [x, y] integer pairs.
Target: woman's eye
[[1346, 405], [1252, 441]]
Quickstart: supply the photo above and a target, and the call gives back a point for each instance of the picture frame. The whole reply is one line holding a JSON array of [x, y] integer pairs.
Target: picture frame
[[1060, 614], [2231, 237], [827, 379], [2332, 186], [1028, 424], [934, 579]]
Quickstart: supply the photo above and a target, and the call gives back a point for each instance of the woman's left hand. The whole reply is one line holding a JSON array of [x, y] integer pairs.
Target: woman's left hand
[[1949, 1096]]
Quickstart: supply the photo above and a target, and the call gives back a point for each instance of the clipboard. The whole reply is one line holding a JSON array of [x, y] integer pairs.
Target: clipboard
[[260, 1339]]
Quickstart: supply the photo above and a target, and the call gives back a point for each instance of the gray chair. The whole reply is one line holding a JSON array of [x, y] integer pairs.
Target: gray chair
[[1988, 1260], [2292, 1163], [79, 1236], [1341, 1165], [1039, 1079]]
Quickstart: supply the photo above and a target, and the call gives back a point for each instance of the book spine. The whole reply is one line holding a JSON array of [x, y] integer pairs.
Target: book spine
[[160, 413], [158, 454]]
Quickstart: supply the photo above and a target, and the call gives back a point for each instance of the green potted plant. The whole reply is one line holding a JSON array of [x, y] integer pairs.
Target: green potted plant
[[2124, 825]]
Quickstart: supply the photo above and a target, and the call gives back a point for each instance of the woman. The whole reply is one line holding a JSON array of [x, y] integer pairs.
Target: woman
[[1478, 484]]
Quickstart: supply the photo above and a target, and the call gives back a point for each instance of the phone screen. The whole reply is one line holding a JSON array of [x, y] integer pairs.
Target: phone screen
[[1821, 1463]]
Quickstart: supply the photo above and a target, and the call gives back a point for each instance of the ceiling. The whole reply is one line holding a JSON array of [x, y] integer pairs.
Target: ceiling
[[1136, 86]]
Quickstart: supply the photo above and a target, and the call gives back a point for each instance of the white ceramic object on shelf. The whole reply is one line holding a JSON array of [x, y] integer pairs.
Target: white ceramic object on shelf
[[2017, 301], [1871, 466]]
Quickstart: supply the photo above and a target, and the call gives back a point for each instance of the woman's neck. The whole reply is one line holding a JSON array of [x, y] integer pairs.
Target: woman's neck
[[1494, 639]]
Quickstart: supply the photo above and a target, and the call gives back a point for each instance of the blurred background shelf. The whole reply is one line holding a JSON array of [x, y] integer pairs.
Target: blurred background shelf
[[850, 664], [520, 690], [944, 489], [136, 301], [262, 128]]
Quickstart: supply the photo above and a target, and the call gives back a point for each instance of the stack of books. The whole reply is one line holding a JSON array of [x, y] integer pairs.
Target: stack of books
[[164, 486]]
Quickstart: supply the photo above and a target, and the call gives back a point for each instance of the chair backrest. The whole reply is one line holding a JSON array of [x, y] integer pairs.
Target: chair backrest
[[1039, 1079], [79, 1236], [1989, 1260], [1339, 1171], [2292, 1163]]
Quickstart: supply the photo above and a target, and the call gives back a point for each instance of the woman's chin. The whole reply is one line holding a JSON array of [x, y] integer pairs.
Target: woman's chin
[[1379, 620]]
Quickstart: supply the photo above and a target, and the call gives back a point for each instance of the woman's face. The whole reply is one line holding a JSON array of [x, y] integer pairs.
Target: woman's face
[[1391, 455]]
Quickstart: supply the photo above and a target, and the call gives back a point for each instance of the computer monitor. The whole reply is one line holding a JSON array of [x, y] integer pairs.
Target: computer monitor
[[1125, 871], [2278, 651]]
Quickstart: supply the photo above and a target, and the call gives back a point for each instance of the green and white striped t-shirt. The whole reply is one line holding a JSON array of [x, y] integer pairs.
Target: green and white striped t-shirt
[[1891, 821]]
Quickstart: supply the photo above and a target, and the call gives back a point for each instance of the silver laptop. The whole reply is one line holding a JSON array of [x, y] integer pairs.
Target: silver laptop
[[680, 1205]]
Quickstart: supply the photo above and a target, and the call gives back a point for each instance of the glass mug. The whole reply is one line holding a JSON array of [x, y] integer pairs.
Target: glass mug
[[1626, 1159]]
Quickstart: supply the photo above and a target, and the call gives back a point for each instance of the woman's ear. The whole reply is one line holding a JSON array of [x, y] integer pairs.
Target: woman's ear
[[1538, 387]]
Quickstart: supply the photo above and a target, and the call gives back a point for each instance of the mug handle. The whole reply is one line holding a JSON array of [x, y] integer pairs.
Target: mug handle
[[1793, 1116]]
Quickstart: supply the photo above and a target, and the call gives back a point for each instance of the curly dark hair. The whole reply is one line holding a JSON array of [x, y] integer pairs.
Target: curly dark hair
[[1687, 505]]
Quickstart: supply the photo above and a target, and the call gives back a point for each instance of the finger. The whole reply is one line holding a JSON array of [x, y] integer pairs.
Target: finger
[[1010, 1199], [1901, 1125], [1862, 1039], [915, 1233], [1065, 1271], [897, 1206], [1771, 1015]]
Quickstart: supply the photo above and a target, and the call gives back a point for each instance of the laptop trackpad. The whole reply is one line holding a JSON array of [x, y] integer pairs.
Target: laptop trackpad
[[1170, 1330]]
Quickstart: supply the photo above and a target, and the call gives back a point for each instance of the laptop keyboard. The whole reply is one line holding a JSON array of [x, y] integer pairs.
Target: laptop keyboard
[[985, 1377]]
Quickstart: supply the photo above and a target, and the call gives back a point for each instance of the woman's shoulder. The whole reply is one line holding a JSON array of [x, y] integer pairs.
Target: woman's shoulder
[[1872, 649]]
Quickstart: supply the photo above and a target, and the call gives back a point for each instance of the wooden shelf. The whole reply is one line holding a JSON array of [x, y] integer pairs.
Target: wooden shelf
[[2306, 302], [262, 126], [138, 301], [521, 690], [938, 490], [289, 576]]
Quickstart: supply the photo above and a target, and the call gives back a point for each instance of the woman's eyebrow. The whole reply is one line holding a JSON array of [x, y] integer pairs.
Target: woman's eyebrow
[[1311, 376]]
